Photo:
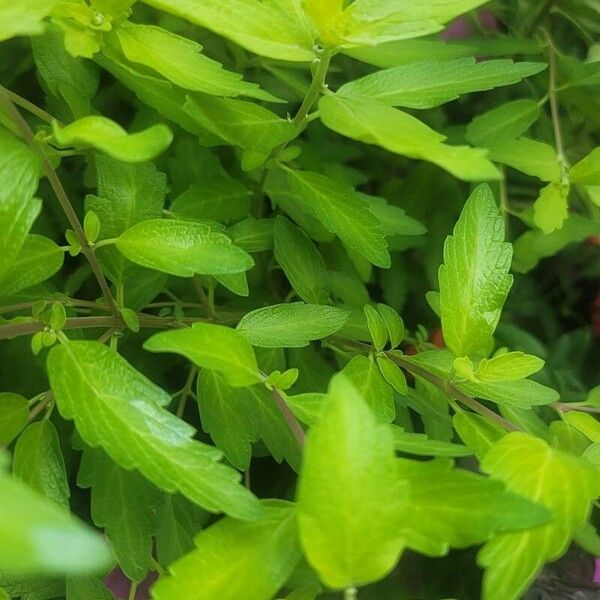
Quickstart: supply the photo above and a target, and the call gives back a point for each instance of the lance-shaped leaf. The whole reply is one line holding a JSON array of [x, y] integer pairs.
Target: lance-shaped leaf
[[24, 17], [343, 212], [563, 483], [291, 325], [237, 417], [19, 172], [449, 507], [38, 462], [508, 367], [431, 83], [371, 122], [38, 260], [123, 503], [182, 248], [528, 156], [474, 279], [274, 28], [213, 347], [106, 135], [301, 262], [349, 493], [116, 407], [507, 121], [179, 60], [33, 528], [235, 559]]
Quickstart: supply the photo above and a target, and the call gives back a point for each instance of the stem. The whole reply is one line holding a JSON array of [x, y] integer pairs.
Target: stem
[[30, 107], [133, 590], [289, 417], [554, 111], [453, 392], [40, 406], [11, 330], [61, 196], [66, 301], [565, 407], [187, 390], [350, 593], [316, 86]]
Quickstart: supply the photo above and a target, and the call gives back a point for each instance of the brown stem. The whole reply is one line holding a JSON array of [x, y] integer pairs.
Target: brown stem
[[66, 301], [289, 417], [40, 406], [61, 196], [566, 407]]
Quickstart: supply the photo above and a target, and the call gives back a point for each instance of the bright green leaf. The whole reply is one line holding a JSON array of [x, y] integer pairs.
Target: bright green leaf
[[551, 209], [528, 156], [587, 170], [24, 17], [376, 326], [14, 410], [508, 367]]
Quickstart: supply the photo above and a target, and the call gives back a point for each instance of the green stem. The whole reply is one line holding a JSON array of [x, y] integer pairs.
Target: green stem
[[61, 195], [350, 593], [30, 107], [185, 393], [289, 417], [133, 590], [316, 87]]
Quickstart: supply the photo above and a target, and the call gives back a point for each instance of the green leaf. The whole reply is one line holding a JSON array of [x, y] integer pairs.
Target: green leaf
[[505, 122], [14, 410], [394, 221], [27, 587], [347, 477], [87, 588], [564, 484], [508, 367], [252, 235], [253, 560], [274, 28], [91, 226], [393, 323], [209, 345], [19, 172], [179, 60], [252, 127], [449, 507], [343, 212], [422, 445], [584, 423], [477, 432], [301, 262], [587, 170], [291, 325], [24, 17], [109, 137], [528, 156], [38, 462], [238, 417], [182, 248], [123, 503], [117, 408], [363, 373], [431, 83], [371, 122], [474, 279], [325, 15], [32, 528], [393, 374], [551, 209], [177, 522], [376, 326], [217, 199], [39, 259]]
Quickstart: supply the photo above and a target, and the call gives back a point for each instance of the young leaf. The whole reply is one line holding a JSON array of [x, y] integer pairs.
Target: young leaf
[[33, 527], [393, 374], [291, 325], [551, 209], [477, 432], [564, 484], [19, 172], [274, 28], [449, 507], [508, 367], [123, 503], [474, 279], [184, 248], [209, 346], [301, 262], [371, 122], [393, 323], [117, 408], [376, 326], [179, 60], [422, 445], [505, 122], [343, 212], [252, 235], [363, 373], [348, 492], [24, 17], [528, 156], [431, 83], [14, 410], [325, 15], [38, 462], [109, 137], [253, 560]]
